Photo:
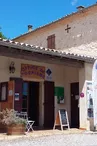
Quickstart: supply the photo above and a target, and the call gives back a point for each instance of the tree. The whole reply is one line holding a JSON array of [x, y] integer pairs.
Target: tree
[[2, 35]]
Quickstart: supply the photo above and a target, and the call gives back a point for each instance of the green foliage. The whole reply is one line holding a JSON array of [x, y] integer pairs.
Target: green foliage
[[2, 35]]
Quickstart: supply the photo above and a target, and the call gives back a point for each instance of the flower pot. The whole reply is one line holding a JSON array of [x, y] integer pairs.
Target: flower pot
[[18, 129], [3, 128]]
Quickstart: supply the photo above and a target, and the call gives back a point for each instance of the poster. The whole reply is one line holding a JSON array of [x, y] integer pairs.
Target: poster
[[16, 96], [89, 96], [94, 82], [10, 92], [59, 93]]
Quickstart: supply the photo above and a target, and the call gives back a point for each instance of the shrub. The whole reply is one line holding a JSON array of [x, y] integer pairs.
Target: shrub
[[9, 117]]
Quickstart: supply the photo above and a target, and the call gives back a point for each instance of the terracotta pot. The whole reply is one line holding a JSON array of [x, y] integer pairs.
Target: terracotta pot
[[3, 128], [18, 129]]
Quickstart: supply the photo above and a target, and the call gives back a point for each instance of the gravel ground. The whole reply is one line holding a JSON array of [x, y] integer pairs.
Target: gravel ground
[[55, 140]]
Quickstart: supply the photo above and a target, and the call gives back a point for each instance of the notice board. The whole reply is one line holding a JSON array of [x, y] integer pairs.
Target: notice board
[[59, 93]]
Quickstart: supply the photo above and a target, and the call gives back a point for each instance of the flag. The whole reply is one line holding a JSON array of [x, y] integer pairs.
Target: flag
[[94, 87]]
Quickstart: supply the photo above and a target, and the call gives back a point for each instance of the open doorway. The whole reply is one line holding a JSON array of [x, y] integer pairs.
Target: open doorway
[[74, 105], [33, 102], [48, 105]]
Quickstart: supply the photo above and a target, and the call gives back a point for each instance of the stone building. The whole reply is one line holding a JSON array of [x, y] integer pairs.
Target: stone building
[[66, 57], [74, 33]]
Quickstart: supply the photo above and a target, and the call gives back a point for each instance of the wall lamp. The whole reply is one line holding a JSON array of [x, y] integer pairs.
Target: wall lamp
[[12, 67]]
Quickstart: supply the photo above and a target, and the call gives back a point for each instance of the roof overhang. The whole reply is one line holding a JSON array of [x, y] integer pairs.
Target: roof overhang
[[37, 49], [41, 54]]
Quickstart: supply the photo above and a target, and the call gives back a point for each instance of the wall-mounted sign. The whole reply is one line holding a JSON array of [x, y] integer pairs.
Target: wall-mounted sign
[[10, 93], [48, 74], [81, 95], [32, 71], [76, 97], [59, 93], [16, 97]]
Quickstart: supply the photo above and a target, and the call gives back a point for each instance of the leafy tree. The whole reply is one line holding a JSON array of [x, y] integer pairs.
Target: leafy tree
[[2, 35]]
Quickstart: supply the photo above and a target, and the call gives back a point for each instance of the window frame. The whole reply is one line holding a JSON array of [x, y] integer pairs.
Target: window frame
[[6, 85]]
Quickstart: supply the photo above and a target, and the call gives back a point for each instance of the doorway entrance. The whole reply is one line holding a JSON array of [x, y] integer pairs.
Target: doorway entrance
[[48, 104], [33, 102], [30, 100], [74, 105], [27, 98]]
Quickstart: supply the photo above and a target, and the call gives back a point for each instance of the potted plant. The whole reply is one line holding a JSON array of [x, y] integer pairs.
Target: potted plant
[[15, 125]]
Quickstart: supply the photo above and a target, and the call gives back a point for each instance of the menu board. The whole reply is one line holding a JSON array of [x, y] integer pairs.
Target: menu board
[[63, 116], [61, 119]]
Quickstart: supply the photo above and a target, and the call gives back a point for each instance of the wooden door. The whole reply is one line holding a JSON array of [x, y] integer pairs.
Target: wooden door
[[74, 105], [18, 93], [48, 104]]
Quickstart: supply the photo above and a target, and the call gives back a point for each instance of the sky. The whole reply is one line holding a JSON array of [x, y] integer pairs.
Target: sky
[[16, 15]]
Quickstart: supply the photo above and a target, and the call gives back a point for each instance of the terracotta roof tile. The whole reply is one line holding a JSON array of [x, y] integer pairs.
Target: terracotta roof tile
[[73, 53]]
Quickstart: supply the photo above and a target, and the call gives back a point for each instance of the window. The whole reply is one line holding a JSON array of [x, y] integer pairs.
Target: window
[[25, 96], [51, 41], [4, 91]]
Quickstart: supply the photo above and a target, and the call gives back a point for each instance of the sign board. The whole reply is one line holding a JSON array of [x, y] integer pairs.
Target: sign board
[[61, 119], [48, 74], [59, 93], [32, 71], [94, 85], [16, 96]]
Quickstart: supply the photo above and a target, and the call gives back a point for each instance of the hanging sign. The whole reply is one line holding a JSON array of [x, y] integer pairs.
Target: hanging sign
[[94, 87], [61, 119], [32, 71]]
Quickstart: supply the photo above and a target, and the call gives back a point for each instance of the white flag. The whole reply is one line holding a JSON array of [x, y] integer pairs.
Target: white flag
[[94, 85]]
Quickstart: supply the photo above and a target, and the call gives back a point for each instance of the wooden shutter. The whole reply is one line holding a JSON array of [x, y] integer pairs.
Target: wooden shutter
[[18, 93], [51, 42]]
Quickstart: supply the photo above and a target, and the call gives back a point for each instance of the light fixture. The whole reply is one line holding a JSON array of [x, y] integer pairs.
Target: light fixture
[[12, 67]]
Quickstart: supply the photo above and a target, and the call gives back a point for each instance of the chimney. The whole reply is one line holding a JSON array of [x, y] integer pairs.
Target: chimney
[[80, 8], [29, 28]]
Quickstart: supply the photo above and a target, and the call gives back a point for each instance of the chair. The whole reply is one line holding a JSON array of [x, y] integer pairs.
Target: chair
[[30, 123]]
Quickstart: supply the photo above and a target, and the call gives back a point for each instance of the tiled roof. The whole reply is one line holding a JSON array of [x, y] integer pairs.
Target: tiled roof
[[89, 50], [65, 54], [66, 16]]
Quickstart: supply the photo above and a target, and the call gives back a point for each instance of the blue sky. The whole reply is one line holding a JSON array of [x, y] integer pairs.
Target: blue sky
[[15, 15]]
